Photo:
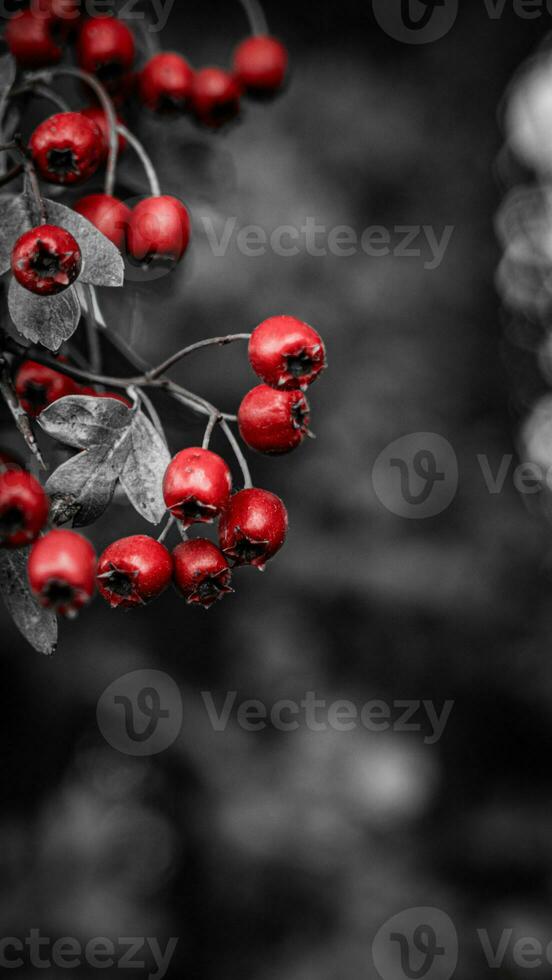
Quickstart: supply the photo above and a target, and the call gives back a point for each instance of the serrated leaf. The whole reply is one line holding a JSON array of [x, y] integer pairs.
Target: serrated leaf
[[14, 220], [86, 483], [46, 320], [84, 421], [102, 263], [38, 625], [144, 469]]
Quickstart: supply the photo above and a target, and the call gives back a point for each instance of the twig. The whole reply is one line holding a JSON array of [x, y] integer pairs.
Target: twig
[[166, 529], [20, 417], [255, 16], [211, 342], [209, 430], [92, 339], [145, 159], [153, 414], [247, 481]]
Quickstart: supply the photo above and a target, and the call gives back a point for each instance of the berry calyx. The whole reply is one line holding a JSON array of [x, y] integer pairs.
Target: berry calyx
[[165, 83], [38, 386], [253, 527], [215, 97], [133, 571], [260, 64], [98, 116], [106, 49], [108, 214], [197, 486], [66, 148], [23, 508], [201, 572], [61, 571], [46, 260], [273, 421], [158, 232], [32, 39], [286, 353]]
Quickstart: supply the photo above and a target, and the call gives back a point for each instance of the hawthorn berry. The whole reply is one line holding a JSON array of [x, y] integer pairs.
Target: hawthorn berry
[[97, 115], [202, 574], [66, 11], [215, 97], [46, 260], [253, 527], [66, 148], [106, 49], [133, 571], [197, 486], [61, 571], [38, 386], [165, 83], [286, 353], [158, 231], [33, 40], [273, 421], [260, 64], [108, 214], [23, 508]]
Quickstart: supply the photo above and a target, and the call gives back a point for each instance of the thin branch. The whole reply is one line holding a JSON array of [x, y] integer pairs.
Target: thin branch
[[170, 523], [153, 414], [211, 342], [209, 430], [20, 417], [247, 481], [145, 159], [92, 339], [255, 16]]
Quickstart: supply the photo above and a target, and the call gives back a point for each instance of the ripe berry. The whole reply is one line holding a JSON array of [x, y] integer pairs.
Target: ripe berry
[[66, 148], [65, 11], [273, 421], [32, 40], [46, 260], [133, 571], [108, 214], [215, 96], [260, 64], [23, 508], [286, 353], [197, 486], [106, 49], [165, 83], [97, 115], [61, 570], [201, 573], [159, 231], [253, 527], [38, 386]]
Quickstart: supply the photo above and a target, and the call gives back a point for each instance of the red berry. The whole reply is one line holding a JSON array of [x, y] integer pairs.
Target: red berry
[[46, 260], [65, 11], [133, 571], [273, 421], [253, 527], [97, 115], [23, 508], [38, 386], [61, 570], [215, 96], [8, 461], [66, 148], [165, 83], [201, 573], [197, 486], [260, 64], [159, 231], [108, 214], [106, 49], [286, 353], [32, 40]]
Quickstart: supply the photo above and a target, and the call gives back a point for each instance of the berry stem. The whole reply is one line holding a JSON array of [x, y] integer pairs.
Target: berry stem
[[20, 417], [153, 179], [32, 188], [247, 481], [209, 431], [171, 521], [255, 16], [210, 342], [92, 339], [153, 414]]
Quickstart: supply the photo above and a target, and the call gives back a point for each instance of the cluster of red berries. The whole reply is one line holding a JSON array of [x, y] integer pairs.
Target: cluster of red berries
[[288, 355]]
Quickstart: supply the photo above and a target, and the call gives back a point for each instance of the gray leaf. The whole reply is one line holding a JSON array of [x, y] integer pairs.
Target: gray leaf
[[102, 263], [84, 421], [14, 220], [48, 320], [144, 469], [8, 72], [38, 625], [87, 483]]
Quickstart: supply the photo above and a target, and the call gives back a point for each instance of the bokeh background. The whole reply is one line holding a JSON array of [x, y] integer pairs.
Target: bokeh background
[[277, 854]]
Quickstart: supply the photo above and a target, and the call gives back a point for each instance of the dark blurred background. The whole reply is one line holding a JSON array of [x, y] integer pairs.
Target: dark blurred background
[[275, 853]]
